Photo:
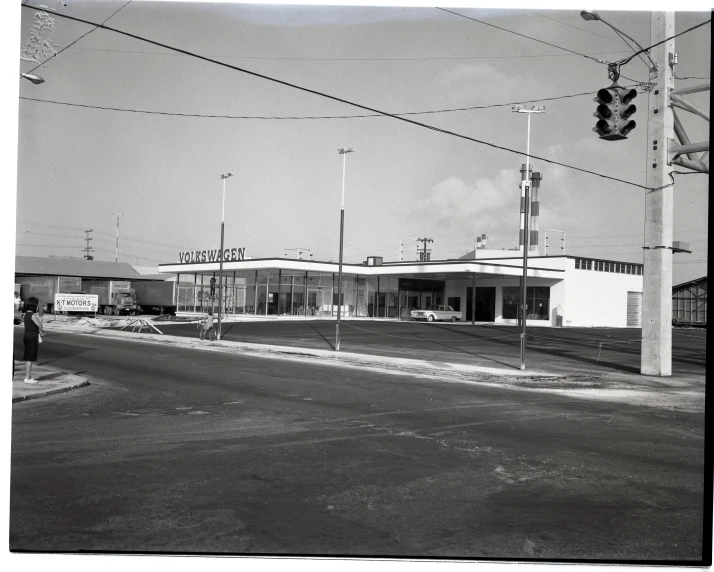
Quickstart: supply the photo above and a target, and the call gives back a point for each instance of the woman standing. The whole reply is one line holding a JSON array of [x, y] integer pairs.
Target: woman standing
[[31, 339]]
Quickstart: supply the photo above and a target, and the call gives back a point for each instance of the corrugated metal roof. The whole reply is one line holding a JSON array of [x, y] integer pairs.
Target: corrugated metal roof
[[689, 283], [37, 265]]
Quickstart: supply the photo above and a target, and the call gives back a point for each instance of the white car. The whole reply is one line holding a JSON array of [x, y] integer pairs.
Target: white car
[[436, 313]]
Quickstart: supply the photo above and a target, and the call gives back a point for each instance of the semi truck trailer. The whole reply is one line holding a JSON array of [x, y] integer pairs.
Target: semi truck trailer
[[156, 296], [114, 296]]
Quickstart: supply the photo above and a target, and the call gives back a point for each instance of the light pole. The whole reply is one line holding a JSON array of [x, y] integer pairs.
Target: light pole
[[224, 176], [342, 151], [116, 252], [525, 188]]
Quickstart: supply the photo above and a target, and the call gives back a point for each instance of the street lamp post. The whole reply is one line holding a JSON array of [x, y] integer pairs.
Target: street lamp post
[[224, 176], [342, 151], [591, 16], [525, 186]]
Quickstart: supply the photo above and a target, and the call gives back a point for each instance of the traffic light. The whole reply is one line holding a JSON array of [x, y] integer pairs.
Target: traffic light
[[613, 112], [625, 110]]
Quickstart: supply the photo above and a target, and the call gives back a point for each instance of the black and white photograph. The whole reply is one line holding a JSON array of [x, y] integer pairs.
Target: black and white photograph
[[361, 284]]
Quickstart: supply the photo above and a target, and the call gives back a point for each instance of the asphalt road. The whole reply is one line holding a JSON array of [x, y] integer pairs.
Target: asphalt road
[[556, 350], [179, 450]]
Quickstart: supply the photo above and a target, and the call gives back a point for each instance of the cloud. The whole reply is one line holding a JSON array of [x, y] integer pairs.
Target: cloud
[[484, 205], [462, 81]]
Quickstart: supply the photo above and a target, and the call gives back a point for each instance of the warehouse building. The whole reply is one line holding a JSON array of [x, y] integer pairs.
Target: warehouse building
[[44, 277], [689, 303], [561, 290]]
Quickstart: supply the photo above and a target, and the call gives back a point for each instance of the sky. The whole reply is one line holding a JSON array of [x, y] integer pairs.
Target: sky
[[77, 167]]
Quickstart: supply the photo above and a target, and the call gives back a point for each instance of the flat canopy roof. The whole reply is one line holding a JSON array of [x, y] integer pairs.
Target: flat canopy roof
[[550, 267], [39, 266]]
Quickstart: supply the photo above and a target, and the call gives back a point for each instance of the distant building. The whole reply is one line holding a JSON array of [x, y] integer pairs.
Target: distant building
[[562, 290], [689, 303]]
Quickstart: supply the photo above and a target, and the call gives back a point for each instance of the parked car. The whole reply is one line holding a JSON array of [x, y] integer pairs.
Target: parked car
[[436, 313]]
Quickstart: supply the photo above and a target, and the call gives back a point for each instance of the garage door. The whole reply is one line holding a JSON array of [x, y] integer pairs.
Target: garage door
[[634, 309]]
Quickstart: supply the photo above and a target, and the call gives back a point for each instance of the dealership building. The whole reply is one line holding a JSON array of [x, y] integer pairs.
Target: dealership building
[[484, 286]]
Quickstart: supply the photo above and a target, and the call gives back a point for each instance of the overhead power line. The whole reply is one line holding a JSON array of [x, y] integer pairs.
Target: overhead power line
[[77, 40], [521, 35], [347, 102], [578, 28], [303, 117], [164, 245], [642, 51], [302, 59]]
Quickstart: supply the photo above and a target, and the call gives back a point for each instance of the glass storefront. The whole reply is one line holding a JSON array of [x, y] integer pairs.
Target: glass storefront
[[299, 293], [537, 302], [194, 293]]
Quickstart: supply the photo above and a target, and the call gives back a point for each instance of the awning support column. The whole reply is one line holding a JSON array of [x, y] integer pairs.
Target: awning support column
[[473, 298]]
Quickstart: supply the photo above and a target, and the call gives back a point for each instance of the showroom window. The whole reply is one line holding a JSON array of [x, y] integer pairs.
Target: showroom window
[[537, 302]]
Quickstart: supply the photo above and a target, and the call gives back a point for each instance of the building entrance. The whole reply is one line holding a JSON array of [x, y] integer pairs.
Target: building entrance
[[485, 304]]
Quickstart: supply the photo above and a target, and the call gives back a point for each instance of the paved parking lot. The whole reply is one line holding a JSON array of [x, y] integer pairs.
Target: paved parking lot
[[556, 350]]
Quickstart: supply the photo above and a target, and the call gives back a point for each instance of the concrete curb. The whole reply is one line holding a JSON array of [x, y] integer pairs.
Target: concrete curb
[[397, 365], [618, 387], [50, 391]]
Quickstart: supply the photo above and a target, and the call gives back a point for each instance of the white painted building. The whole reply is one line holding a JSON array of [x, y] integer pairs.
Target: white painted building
[[562, 290]]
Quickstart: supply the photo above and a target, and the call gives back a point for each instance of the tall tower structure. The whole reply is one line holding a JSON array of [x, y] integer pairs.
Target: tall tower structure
[[535, 208], [521, 232]]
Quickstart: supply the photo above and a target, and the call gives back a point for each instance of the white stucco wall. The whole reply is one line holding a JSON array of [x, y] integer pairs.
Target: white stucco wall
[[585, 298], [597, 299]]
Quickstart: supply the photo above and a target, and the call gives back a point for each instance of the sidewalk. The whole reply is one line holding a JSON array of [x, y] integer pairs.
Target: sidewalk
[[50, 382]]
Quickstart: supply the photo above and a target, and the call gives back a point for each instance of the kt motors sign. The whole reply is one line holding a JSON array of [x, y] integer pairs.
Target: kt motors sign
[[229, 255], [76, 302]]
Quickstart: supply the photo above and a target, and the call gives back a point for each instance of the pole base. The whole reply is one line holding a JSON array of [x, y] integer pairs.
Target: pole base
[[523, 367]]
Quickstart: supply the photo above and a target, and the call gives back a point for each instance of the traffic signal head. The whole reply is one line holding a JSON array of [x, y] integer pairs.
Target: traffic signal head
[[625, 110], [613, 113]]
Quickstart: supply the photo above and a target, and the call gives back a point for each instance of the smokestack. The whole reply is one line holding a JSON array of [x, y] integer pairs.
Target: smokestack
[[524, 177], [535, 208]]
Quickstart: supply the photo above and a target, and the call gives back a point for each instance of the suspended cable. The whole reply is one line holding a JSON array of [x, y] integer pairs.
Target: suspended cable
[[77, 40], [577, 28], [521, 35], [295, 58], [627, 60], [288, 117], [360, 106]]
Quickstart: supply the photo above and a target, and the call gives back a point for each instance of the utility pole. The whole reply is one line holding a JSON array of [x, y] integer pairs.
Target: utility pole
[[116, 252], [656, 354], [662, 152], [88, 248], [424, 240]]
